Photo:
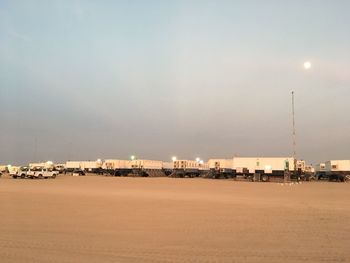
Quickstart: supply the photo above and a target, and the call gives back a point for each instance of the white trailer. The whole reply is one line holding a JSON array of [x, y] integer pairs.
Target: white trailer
[[147, 168], [338, 170], [320, 171], [117, 167], [71, 165], [112, 164], [220, 168], [186, 168], [147, 164], [263, 168], [88, 166], [168, 168], [47, 165]]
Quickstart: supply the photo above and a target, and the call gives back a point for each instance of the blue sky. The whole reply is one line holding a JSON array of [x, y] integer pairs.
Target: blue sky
[[106, 79]]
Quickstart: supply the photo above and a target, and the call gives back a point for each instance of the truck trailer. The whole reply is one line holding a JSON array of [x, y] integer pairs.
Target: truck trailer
[[168, 168], [320, 171], [338, 170], [147, 168], [186, 168], [220, 168], [87, 166], [117, 167], [263, 168]]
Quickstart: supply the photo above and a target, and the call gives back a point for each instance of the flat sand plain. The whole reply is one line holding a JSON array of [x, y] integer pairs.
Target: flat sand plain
[[111, 219]]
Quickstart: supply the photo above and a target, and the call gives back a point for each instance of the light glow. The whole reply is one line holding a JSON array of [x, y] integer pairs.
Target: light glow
[[307, 65]]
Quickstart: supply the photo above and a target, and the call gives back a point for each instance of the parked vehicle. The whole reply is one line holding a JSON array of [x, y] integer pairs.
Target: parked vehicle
[[13, 170], [20, 173], [42, 173], [59, 167]]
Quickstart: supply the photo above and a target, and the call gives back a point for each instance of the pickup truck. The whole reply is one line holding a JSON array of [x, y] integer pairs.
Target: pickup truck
[[20, 173], [42, 173]]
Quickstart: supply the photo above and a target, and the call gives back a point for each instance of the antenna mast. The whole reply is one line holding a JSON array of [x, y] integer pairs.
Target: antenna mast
[[294, 136]]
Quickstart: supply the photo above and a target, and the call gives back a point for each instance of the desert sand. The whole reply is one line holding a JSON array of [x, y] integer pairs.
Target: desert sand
[[110, 219]]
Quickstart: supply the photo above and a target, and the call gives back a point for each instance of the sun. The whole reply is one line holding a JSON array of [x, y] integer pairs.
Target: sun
[[307, 65]]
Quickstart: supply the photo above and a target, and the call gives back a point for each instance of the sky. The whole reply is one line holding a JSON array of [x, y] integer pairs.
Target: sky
[[82, 80]]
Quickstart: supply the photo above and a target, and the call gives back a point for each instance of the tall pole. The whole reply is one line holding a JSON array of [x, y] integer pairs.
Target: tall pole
[[35, 148], [294, 136]]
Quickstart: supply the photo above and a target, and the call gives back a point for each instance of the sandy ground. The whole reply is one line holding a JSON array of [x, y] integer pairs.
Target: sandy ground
[[108, 219]]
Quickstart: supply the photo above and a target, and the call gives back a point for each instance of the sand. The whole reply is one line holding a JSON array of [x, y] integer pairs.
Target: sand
[[109, 219]]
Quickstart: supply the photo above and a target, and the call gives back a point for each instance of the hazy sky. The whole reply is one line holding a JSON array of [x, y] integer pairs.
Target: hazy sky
[[107, 79]]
